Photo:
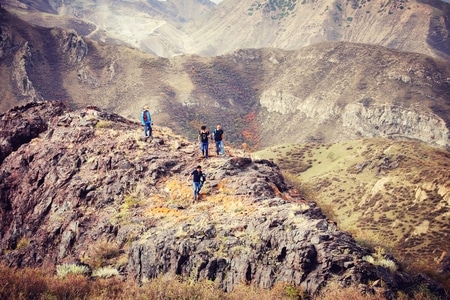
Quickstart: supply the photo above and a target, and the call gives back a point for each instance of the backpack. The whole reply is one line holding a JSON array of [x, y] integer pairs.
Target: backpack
[[204, 136], [202, 181], [145, 116]]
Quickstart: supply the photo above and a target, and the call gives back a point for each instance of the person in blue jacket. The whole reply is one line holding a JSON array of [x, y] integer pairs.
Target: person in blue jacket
[[146, 120]]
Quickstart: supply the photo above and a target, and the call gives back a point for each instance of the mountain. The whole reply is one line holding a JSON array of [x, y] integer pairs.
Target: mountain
[[70, 169], [322, 93], [85, 186], [402, 25], [168, 28], [151, 26]]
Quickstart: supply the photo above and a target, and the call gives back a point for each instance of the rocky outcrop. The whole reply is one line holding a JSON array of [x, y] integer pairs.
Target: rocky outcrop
[[279, 241], [356, 120], [75, 182], [22, 124], [5, 41], [396, 122], [20, 76], [34, 55], [72, 45]]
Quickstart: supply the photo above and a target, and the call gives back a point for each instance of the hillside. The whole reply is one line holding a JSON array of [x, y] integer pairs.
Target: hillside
[[322, 93], [390, 193], [405, 25], [100, 194], [169, 28]]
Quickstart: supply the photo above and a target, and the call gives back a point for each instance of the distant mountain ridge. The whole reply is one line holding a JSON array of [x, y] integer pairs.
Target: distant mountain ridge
[[322, 93], [168, 28]]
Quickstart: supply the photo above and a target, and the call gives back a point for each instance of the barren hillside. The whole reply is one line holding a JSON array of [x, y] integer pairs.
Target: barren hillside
[[403, 25], [168, 28]]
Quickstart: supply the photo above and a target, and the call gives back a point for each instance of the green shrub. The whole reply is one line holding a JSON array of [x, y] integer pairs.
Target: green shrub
[[294, 292]]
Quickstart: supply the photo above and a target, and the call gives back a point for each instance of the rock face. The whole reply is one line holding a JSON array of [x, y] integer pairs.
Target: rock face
[[85, 185], [356, 120], [21, 125], [279, 241]]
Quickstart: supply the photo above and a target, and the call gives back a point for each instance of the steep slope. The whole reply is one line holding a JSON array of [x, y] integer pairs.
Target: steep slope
[[402, 25], [331, 91], [87, 181], [152, 26], [390, 193], [169, 28]]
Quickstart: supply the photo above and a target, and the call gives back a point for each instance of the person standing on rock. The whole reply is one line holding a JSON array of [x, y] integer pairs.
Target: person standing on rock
[[203, 137], [219, 137], [146, 120], [196, 176]]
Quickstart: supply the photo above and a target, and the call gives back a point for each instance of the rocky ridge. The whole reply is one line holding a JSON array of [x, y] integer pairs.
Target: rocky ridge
[[75, 182]]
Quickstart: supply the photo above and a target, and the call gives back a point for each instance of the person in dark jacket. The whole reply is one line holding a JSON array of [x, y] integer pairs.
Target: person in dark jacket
[[203, 138], [219, 137], [196, 176]]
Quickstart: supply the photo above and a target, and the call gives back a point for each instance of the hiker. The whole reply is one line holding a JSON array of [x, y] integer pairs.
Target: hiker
[[196, 175], [218, 137], [146, 121], [203, 137]]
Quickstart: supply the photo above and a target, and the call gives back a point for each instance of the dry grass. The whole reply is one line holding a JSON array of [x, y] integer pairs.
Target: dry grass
[[334, 291], [40, 284], [179, 191], [23, 243], [104, 124], [101, 253], [71, 269]]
